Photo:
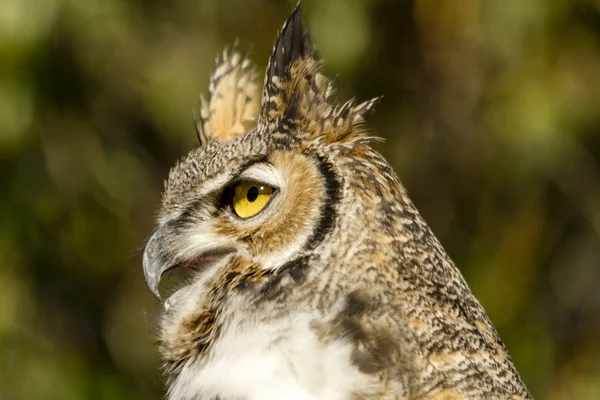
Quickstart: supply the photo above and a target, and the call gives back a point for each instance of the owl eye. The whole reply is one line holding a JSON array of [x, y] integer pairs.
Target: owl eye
[[249, 198]]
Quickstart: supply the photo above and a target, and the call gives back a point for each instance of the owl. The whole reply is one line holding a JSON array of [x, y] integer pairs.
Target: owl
[[309, 272]]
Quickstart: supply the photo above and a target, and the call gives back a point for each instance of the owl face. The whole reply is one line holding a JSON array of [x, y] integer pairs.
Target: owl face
[[262, 184], [265, 202]]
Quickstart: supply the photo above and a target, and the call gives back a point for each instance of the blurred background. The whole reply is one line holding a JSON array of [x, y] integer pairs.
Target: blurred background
[[491, 116]]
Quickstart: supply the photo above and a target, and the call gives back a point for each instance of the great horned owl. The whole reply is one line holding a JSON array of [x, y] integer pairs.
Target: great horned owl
[[312, 275]]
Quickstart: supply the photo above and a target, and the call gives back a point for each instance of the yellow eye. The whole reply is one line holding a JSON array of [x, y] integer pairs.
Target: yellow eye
[[250, 197]]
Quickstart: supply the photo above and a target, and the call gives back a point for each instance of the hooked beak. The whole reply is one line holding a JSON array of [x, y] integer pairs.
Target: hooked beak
[[167, 249], [156, 261]]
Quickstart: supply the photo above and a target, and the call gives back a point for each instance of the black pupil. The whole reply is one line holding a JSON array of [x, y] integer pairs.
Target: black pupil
[[252, 194]]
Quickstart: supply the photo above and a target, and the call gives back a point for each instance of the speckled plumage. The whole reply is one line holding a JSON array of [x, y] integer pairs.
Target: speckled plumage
[[338, 289]]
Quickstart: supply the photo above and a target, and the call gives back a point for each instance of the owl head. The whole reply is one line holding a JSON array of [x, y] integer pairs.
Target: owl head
[[265, 183]]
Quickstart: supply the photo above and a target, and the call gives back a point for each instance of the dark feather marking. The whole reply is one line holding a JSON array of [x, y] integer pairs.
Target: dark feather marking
[[292, 44], [328, 211], [295, 269], [376, 348]]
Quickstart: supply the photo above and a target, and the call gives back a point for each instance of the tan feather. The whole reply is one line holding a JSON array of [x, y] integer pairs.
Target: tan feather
[[231, 108]]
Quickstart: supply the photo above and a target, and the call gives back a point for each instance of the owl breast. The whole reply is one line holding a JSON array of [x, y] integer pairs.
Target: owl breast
[[268, 361]]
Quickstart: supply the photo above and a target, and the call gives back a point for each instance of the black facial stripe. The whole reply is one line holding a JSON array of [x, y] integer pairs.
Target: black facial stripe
[[327, 213]]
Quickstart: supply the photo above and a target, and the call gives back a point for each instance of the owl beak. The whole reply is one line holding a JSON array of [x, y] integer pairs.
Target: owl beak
[[164, 252], [155, 263]]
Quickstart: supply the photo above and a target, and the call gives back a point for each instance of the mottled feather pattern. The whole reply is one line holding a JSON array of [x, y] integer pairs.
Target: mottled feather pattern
[[338, 289]]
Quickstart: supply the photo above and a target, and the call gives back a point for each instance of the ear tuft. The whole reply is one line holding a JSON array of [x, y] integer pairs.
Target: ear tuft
[[290, 73], [231, 108], [293, 43], [297, 99]]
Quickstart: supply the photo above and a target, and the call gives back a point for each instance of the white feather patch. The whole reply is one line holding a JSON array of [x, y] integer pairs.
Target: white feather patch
[[283, 360]]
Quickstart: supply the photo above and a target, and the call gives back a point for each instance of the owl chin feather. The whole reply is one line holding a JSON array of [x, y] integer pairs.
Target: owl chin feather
[[334, 288]]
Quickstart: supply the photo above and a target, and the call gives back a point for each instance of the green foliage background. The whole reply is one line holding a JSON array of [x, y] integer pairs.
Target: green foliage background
[[491, 115]]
